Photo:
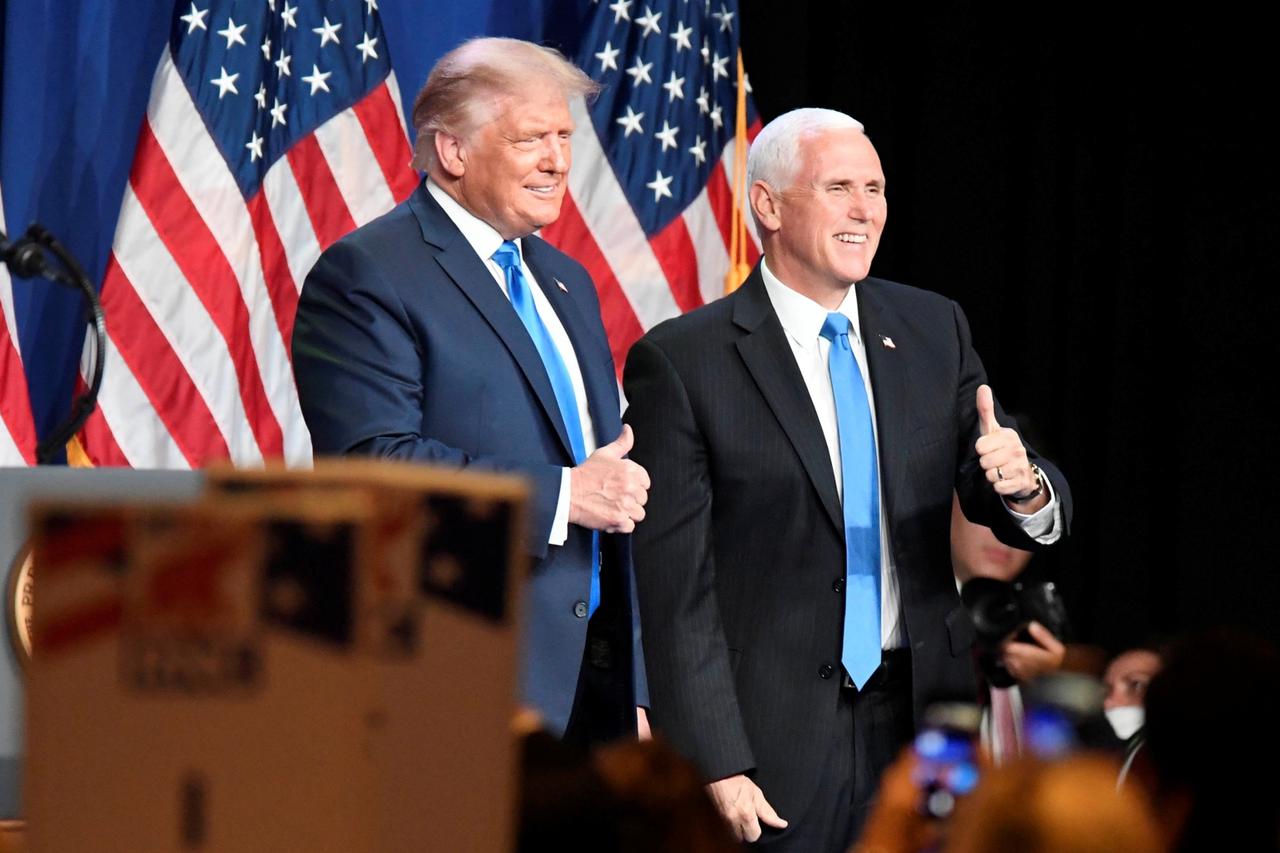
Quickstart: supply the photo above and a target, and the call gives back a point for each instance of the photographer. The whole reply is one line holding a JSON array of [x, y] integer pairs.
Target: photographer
[[1010, 660]]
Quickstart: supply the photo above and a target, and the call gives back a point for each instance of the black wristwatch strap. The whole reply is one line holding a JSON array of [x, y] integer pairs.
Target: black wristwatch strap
[[1034, 493]]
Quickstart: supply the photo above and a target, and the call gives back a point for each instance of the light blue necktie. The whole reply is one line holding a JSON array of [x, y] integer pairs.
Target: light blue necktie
[[860, 652], [508, 257]]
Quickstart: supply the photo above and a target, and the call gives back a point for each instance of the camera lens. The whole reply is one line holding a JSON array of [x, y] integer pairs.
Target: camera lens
[[993, 607]]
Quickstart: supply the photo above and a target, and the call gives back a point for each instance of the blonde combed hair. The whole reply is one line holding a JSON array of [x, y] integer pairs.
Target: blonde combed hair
[[466, 87]]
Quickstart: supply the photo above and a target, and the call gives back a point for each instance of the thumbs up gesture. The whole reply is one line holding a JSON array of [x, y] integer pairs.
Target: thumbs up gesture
[[1004, 459], [608, 492]]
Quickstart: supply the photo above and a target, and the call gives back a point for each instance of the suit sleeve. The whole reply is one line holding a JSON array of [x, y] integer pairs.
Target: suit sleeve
[[694, 703], [978, 500], [358, 369]]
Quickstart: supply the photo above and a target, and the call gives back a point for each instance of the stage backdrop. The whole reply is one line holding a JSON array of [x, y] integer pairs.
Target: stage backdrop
[[198, 156]]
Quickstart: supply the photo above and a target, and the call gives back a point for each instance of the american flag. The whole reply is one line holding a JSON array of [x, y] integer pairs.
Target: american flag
[[17, 432], [649, 208], [273, 129]]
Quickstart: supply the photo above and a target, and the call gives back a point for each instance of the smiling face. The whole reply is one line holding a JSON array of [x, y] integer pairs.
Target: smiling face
[[826, 226], [512, 171]]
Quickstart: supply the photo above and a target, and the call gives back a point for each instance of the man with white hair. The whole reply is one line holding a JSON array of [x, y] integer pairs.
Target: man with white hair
[[444, 332], [803, 436]]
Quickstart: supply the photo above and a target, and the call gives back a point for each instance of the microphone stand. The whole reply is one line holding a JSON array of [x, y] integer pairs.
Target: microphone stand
[[26, 259]]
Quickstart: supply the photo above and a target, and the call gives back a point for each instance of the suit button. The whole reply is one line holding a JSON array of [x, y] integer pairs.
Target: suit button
[[826, 671], [837, 585], [580, 609]]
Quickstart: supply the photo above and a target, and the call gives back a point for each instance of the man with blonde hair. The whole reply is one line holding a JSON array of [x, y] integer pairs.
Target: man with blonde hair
[[445, 332], [804, 436]]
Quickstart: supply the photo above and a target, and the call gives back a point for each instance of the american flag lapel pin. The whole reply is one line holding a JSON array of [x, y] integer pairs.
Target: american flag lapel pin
[[887, 342]]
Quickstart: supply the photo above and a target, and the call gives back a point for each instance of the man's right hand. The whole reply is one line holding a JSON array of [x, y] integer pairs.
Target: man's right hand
[[742, 804], [607, 492]]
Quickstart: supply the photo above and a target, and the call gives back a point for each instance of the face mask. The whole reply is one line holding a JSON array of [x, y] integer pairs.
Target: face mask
[[1126, 720]]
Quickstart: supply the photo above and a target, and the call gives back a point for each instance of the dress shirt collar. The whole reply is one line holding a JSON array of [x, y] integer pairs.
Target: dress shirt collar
[[801, 317], [480, 234]]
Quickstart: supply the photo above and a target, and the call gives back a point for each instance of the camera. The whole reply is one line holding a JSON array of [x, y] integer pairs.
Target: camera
[[1003, 609]]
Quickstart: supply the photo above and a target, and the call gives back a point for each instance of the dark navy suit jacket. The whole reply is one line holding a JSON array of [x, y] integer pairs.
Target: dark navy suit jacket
[[406, 348]]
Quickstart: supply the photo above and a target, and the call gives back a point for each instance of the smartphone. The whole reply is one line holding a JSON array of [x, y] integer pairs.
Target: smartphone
[[1048, 732], [1060, 707], [946, 756]]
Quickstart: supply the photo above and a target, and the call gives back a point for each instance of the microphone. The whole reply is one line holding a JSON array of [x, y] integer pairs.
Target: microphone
[[25, 258]]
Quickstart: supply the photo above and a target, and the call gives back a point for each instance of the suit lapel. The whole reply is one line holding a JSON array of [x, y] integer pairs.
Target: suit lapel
[[878, 321], [594, 359], [768, 357], [473, 278]]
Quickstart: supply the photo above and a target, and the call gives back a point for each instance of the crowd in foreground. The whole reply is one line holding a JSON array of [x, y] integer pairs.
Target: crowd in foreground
[[1190, 773]]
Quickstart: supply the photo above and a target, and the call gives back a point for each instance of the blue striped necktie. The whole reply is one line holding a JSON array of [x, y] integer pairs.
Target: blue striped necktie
[[508, 258], [860, 651]]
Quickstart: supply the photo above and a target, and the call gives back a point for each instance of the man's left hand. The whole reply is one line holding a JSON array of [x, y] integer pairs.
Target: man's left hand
[[608, 491], [1004, 459]]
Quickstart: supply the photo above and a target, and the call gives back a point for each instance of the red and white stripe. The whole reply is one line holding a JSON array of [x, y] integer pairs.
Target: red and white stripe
[[643, 281], [17, 431], [201, 286]]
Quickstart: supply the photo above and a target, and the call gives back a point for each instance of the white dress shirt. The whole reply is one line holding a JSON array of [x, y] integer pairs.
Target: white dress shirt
[[802, 319], [485, 241]]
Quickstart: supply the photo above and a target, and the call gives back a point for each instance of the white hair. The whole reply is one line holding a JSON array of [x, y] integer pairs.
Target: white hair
[[775, 154]]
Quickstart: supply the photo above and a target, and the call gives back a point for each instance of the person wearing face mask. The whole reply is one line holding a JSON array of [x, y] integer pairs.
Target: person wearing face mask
[[1126, 679]]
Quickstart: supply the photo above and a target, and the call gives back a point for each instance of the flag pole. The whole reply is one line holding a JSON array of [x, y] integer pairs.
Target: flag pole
[[739, 269]]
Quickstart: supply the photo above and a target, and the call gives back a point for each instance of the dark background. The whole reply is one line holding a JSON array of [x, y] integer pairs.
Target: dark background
[[1099, 192]]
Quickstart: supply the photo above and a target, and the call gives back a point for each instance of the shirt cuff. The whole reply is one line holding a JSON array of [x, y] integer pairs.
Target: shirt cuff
[[1045, 524], [560, 524]]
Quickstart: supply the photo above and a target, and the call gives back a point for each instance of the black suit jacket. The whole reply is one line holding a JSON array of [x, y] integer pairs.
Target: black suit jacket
[[743, 540]]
